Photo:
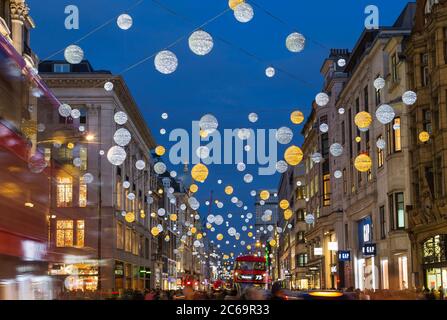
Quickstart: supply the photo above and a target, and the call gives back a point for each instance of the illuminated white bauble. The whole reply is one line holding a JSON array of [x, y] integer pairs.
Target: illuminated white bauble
[[140, 165], [210, 218], [81, 128], [162, 131], [75, 114], [385, 114], [197, 243], [379, 83], [232, 231], [124, 21], [309, 219], [396, 126], [270, 72], [253, 117], [281, 166], [126, 184], [77, 162], [409, 98], [201, 42], [166, 62], [253, 193], [218, 220], [203, 152], [381, 144], [41, 127], [120, 118], [131, 196], [244, 13], [241, 166], [244, 134], [164, 116], [208, 123], [338, 174], [324, 128], [161, 212], [322, 99], [336, 149], [122, 137], [183, 207], [295, 42], [341, 111], [116, 155], [64, 110], [317, 157], [234, 200], [160, 228], [88, 178], [284, 135], [160, 168], [74, 54], [341, 62], [248, 178], [108, 86], [220, 205]]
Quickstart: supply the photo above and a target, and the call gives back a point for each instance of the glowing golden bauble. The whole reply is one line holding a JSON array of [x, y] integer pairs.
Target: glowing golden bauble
[[142, 214], [199, 236], [194, 188], [297, 117], [363, 163], [160, 151], [272, 243], [264, 195], [193, 230], [70, 146], [363, 120], [293, 155], [249, 247], [219, 237], [284, 204], [155, 232], [209, 225], [203, 134], [358, 139], [424, 136], [229, 190], [250, 234], [288, 214], [130, 217], [234, 3], [173, 217], [199, 172]]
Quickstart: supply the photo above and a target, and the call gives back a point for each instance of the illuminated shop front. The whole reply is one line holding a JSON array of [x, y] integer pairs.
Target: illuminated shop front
[[434, 260], [77, 276], [366, 271]]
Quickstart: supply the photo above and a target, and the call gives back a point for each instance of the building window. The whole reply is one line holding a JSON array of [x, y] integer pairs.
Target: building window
[[397, 211], [302, 260], [300, 237], [135, 250], [346, 235], [83, 117], [83, 156], [64, 233], [64, 191], [119, 194], [65, 154], [385, 279], [300, 194], [382, 222], [119, 235], [47, 153], [394, 72], [366, 99], [403, 272], [128, 240], [300, 215], [345, 182], [61, 68], [425, 74], [380, 155], [343, 133], [394, 136], [445, 45], [80, 233], [435, 249], [327, 190], [82, 193], [439, 178], [378, 97], [427, 121]]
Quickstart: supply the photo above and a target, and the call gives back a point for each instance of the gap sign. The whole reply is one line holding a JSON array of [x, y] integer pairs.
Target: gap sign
[[369, 249], [344, 255]]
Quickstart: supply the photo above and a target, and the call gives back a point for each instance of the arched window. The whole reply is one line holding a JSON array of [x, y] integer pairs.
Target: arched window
[[429, 4], [435, 249]]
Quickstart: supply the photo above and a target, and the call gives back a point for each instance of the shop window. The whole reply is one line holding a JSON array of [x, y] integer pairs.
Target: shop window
[[61, 68], [435, 249], [384, 272], [64, 196], [80, 233], [119, 235], [82, 193], [403, 272]]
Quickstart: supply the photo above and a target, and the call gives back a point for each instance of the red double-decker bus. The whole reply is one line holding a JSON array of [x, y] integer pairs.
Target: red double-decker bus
[[250, 271]]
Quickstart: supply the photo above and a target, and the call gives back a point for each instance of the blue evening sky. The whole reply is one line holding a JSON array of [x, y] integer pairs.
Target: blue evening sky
[[226, 83]]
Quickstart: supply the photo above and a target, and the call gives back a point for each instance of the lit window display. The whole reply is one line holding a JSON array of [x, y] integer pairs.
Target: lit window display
[[64, 195]]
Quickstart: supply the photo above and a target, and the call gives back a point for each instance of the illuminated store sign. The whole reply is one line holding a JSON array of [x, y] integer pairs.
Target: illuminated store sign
[[344, 256], [369, 249]]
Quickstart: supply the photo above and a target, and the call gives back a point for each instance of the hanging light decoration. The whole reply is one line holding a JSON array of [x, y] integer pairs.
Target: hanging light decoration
[[338, 174], [160, 168], [284, 204], [122, 137], [341, 62], [341, 111], [64, 110], [160, 151], [270, 72], [218, 220], [130, 217], [297, 117], [363, 120], [253, 117], [201, 42], [155, 232], [203, 152], [120, 118], [385, 114], [379, 83], [363, 163], [288, 214], [322, 99], [199, 172], [336, 149], [324, 128], [293, 155], [124, 21], [87, 178], [317, 157], [208, 123], [220, 237], [309, 219], [75, 113], [281, 166], [244, 134], [234, 3], [284, 135], [193, 188], [243, 12], [108, 86], [229, 190], [409, 98], [248, 178], [264, 195], [424, 136], [116, 155], [74, 54], [166, 62], [381, 144], [140, 165], [295, 42]]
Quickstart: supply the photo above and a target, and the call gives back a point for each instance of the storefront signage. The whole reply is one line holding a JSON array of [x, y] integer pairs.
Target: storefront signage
[[344, 255], [333, 246], [318, 251], [369, 249]]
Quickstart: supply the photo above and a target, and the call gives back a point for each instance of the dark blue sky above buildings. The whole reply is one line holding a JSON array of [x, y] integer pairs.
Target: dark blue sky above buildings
[[226, 83]]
